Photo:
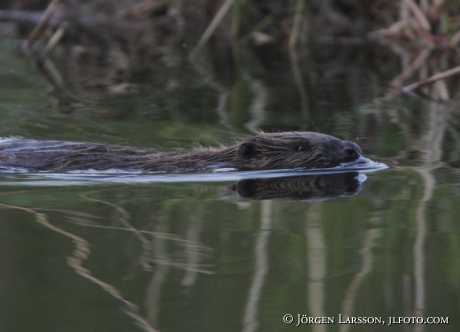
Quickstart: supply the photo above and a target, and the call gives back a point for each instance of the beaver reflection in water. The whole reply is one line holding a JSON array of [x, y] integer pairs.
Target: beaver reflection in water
[[261, 152], [304, 187]]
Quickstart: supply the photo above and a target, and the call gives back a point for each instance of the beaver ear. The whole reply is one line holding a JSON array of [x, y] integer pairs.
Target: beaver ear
[[246, 151]]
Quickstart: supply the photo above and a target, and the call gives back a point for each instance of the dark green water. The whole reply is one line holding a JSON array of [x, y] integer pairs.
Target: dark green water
[[195, 255]]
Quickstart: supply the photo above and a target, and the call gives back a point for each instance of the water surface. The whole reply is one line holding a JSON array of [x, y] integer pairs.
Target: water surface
[[191, 253]]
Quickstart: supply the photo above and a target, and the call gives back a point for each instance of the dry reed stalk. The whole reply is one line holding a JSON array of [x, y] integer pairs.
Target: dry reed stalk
[[212, 27], [43, 22], [431, 79], [408, 71], [419, 15]]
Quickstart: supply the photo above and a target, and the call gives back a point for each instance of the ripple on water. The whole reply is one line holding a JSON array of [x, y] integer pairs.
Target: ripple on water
[[11, 176]]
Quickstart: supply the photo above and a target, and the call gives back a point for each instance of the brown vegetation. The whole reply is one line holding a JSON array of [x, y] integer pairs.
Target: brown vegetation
[[123, 39]]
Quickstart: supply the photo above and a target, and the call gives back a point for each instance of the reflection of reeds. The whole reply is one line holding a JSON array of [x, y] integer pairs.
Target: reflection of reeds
[[227, 34], [212, 26], [421, 26], [352, 290], [296, 70], [149, 255], [124, 219], [316, 263], [156, 250], [158, 235], [250, 320], [76, 260]]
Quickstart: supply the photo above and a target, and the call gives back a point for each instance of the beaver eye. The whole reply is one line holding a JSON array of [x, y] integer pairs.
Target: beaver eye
[[301, 148]]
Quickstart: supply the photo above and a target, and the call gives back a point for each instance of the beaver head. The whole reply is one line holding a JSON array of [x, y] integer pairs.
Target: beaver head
[[297, 150]]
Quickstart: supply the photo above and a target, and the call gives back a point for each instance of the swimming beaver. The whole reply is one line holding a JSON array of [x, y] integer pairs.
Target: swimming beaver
[[264, 151]]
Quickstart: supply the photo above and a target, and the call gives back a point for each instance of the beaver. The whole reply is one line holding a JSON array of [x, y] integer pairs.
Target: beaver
[[283, 150]]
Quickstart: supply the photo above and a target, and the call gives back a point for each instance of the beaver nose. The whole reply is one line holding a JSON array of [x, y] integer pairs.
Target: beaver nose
[[351, 151]]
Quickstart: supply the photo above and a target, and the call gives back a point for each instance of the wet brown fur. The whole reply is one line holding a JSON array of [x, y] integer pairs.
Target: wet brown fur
[[264, 151]]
